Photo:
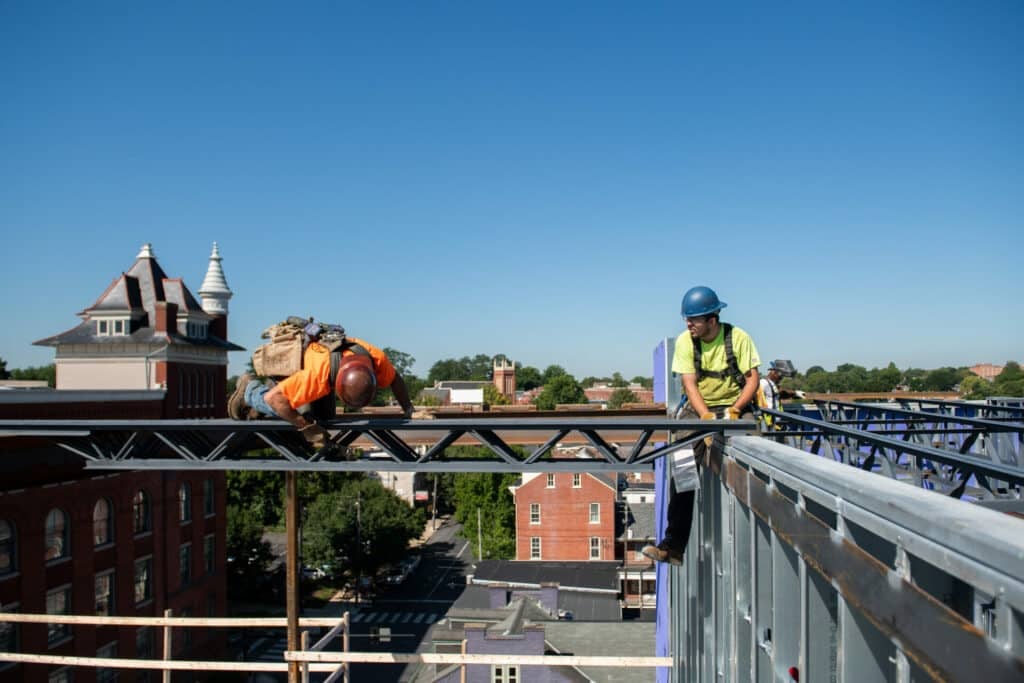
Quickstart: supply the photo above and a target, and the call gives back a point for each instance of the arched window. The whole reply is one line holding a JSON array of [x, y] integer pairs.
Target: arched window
[[102, 522], [57, 535], [185, 502], [141, 522], [8, 548]]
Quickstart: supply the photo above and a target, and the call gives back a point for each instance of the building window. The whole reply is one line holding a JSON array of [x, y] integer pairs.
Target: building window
[[143, 579], [102, 522], [105, 593], [8, 548], [595, 548], [505, 673], [185, 502], [120, 328], [209, 559], [63, 675], [58, 601], [551, 480], [211, 605], [102, 327], [104, 674], [535, 548], [10, 635], [57, 535], [186, 633], [577, 480], [595, 513], [534, 513], [141, 520], [185, 563], [209, 508]]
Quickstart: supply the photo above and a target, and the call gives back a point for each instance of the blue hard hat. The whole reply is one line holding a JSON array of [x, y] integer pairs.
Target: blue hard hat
[[699, 301]]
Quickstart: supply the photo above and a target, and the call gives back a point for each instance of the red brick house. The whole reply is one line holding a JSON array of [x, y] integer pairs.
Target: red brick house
[[565, 516]]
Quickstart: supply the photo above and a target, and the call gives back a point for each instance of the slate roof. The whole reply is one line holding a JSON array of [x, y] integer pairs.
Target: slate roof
[[578, 575], [639, 518], [624, 639], [135, 293]]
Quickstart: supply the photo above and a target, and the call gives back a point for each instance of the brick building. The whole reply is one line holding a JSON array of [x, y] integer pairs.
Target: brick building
[[127, 544], [565, 516]]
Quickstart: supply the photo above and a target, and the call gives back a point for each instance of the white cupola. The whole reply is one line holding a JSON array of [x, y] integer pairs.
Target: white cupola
[[214, 292]]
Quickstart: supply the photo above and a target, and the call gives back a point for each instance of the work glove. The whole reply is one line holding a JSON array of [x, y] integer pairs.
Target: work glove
[[732, 414], [799, 394], [422, 415], [315, 435], [710, 437]]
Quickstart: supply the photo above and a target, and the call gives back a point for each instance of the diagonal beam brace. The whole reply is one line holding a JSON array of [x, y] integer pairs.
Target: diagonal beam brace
[[499, 447], [547, 446], [602, 446], [439, 447]]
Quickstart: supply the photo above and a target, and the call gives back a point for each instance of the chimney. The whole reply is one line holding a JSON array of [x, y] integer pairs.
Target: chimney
[[166, 317]]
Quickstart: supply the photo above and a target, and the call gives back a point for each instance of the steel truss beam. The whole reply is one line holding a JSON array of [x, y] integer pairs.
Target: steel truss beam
[[624, 444], [908, 457]]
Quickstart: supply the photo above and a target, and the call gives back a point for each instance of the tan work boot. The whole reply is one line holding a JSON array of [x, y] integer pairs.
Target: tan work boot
[[236, 403], [662, 553]]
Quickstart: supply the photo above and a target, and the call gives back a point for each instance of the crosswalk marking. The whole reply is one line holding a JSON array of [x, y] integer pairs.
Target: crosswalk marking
[[419, 617], [393, 618], [406, 617], [431, 618]]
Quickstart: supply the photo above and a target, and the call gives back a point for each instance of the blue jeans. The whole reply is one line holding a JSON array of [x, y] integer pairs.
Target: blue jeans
[[254, 392]]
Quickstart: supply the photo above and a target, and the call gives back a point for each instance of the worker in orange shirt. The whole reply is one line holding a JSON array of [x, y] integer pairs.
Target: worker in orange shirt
[[353, 372]]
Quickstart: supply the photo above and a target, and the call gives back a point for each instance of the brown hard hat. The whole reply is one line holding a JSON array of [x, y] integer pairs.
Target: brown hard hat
[[356, 383]]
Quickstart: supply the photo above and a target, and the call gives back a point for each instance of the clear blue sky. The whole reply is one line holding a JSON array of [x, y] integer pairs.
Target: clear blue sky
[[543, 180]]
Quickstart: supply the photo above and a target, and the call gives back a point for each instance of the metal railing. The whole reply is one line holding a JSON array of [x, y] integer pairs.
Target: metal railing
[[803, 568]]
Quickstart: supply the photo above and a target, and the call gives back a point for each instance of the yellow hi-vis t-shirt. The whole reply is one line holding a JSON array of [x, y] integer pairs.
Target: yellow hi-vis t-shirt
[[716, 392]]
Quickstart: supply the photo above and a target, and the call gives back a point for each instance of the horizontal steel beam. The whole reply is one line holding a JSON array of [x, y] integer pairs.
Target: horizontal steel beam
[[621, 443]]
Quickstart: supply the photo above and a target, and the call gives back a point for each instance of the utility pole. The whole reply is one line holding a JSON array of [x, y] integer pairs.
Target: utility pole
[[433, 507], [479, 537], [359, 549]]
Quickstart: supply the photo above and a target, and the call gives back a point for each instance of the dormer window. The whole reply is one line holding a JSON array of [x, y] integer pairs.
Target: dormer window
[[196, 330], [112, 327]]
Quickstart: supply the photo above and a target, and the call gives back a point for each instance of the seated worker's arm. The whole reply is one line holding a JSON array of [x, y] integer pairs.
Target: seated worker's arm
[[693, 394], [276, 399], [749, 390]]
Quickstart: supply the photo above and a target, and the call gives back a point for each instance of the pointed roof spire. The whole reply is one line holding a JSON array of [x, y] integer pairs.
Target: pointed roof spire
[[146, 251], [214, 291]]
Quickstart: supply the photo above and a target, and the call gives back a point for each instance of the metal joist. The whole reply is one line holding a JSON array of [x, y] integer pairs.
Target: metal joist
[[621, 443]]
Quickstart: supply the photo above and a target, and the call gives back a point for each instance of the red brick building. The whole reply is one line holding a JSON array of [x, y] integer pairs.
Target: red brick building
[[565, 516]]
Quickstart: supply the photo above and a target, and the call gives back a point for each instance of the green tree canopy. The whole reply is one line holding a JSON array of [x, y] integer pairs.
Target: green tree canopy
[[493, 397], [3, 369], [620, 396], [645, 382], [528, 377], [553, 371], [248, 554], [47, 373], [363, 526], [562, 389], [618, 380], [479, 367], [489, 493]]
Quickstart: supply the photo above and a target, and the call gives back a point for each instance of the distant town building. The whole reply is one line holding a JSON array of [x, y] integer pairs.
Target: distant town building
[[987, 370], [602, 393], [504, 372]]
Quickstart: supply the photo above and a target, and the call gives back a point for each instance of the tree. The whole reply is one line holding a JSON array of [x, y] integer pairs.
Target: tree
[[248, 554], [262, 493], [47, 373], [493, 397], [561, 389], [1009, 382], [403, 363], [620, 396], [488, 493], [814, 369], [362, 526], [645, 382], [528, 377], [3, 369], [941, 379], [618, 381], [974, 387], [553, 371]]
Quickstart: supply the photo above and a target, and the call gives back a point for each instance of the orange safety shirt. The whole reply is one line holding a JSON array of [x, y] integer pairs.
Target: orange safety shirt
[[313, 380]]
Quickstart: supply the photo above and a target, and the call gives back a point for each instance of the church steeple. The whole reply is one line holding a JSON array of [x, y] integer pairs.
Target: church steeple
[[214, 292]]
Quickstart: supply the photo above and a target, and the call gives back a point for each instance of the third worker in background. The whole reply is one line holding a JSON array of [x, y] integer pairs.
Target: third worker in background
[[718, 365]]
